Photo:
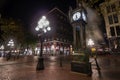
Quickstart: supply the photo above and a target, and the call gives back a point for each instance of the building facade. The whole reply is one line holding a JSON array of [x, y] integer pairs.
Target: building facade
[[111, 13], [60, 36]]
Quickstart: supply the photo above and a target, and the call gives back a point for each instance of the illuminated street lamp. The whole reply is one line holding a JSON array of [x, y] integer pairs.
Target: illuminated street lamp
[[2, 47], [90, 42], [93, 49], [11, 43], [42, 27]]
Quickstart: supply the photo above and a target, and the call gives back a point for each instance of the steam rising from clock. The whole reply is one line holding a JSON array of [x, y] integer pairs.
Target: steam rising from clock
[[93, 25]]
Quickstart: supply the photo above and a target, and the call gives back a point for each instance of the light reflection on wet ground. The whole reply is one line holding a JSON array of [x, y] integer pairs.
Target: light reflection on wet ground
[[110, 70]]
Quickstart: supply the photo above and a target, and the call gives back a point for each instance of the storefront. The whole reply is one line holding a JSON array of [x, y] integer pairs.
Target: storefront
[[54, 48]]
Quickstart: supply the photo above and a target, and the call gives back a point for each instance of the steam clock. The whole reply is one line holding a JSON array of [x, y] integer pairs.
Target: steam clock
[[78, 20]]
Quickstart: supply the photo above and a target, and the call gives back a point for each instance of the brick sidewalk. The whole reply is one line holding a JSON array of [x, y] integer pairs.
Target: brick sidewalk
[[53, 71], [28, 72]]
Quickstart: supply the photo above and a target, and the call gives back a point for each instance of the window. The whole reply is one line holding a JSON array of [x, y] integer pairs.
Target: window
[[113, 7], [110, 19], [118, 30], [108, 9], [115, 17], [112, 31]]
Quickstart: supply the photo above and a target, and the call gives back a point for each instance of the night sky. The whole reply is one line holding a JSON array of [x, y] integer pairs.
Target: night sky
[[30, 10]]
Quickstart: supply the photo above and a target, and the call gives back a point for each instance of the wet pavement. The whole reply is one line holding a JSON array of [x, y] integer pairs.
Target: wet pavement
[[110, 67], [25, 69]]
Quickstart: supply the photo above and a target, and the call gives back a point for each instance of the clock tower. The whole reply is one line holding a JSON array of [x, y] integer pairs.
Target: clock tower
[[78, 20]]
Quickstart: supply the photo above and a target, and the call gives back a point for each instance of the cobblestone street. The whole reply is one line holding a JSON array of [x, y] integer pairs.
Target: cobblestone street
[[21, 70]]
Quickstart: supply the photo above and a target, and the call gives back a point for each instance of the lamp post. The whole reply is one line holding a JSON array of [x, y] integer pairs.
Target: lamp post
[[93, 50], [90, 44], [11, 44], [2, 50], [42, 27]]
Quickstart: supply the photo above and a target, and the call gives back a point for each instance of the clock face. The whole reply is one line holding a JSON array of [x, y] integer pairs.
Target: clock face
[[76, 16], [83, 16]]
